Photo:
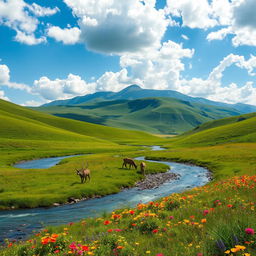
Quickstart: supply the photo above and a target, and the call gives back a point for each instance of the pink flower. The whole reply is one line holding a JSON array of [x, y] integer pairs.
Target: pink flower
[[199, 254], [206, 212], [171, 217], [72, 246], [159, 254], [249, 231]]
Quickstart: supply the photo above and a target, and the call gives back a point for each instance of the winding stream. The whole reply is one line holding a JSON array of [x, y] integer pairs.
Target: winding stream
[[18, 224]]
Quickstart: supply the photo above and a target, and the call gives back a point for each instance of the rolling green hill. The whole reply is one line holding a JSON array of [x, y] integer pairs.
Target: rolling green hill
[[21, 123], [154, 115], [229, 130], [220, 122]]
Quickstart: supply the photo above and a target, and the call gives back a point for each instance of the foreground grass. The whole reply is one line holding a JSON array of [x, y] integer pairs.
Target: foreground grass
[[193, 223]]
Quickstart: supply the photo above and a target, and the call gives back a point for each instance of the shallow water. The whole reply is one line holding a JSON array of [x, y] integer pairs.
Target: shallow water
[[43, 163], [18, 224]]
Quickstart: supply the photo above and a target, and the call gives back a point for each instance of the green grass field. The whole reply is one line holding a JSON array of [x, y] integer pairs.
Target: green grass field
[[214, 220]]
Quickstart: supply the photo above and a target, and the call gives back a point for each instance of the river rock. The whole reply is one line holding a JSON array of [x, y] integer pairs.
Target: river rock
[[153, 181]]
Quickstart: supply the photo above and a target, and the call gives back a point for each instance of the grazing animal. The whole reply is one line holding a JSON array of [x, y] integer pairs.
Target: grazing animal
[[130, 162], [142, 168], [84, 173]]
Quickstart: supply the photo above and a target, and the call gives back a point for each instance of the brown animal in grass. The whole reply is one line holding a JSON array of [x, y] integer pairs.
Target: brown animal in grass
[[142, 168], [84, 173], [130, 162]]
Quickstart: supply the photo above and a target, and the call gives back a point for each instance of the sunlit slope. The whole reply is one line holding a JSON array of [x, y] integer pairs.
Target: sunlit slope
[[242, 131], [154, 115], [19, 122], [221, 122]]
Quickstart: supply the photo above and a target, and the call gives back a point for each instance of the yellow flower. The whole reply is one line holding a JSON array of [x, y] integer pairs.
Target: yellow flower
[[240, 247], [234, 249], [227, 252], [148, 252]]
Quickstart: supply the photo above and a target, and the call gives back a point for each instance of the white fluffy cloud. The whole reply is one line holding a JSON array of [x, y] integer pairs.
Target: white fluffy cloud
[[114, 81], [212, 88], [22, 17], [116, 27], [62, 88], [40, 11], [3, 97], [240, 22], [195, 14], [159, 68], [66, 35], [4, 75], [5, 80]]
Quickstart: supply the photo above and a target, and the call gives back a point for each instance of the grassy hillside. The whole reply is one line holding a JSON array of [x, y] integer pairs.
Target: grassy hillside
[[231, 132], [154, 115], [22, 123], [220, 122]]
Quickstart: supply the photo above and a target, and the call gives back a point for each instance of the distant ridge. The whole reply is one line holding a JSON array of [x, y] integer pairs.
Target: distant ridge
[[159, 115], [134, 92]]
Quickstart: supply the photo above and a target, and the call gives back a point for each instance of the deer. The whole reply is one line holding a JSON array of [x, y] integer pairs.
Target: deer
[[130, 162], [84, 173], [142, 168]]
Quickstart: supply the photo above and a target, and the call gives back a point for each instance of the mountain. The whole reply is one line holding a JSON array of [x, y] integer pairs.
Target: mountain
[[228, 130], [133, 92], [154, 115]]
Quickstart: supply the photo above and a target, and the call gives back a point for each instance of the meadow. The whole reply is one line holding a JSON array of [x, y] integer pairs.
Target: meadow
[[213, 220]]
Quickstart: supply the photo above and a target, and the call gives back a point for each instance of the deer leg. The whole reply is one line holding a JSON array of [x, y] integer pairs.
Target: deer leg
[[89, 177]]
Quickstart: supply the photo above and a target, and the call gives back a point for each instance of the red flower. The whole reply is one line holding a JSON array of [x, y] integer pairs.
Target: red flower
[[85, 248], [132, 212], [107, 222], [155, 231]]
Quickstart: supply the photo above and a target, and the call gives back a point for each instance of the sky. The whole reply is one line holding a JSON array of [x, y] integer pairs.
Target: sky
[[52, 50]]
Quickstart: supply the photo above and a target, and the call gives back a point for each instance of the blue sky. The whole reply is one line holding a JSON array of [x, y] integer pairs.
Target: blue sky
[[53, 50]]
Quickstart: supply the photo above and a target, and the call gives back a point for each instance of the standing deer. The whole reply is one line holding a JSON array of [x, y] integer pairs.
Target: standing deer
[[142, 168], [84, 173], [130, 162]]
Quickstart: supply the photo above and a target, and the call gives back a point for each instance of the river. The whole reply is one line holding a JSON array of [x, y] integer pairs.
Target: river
[[18, 224]]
